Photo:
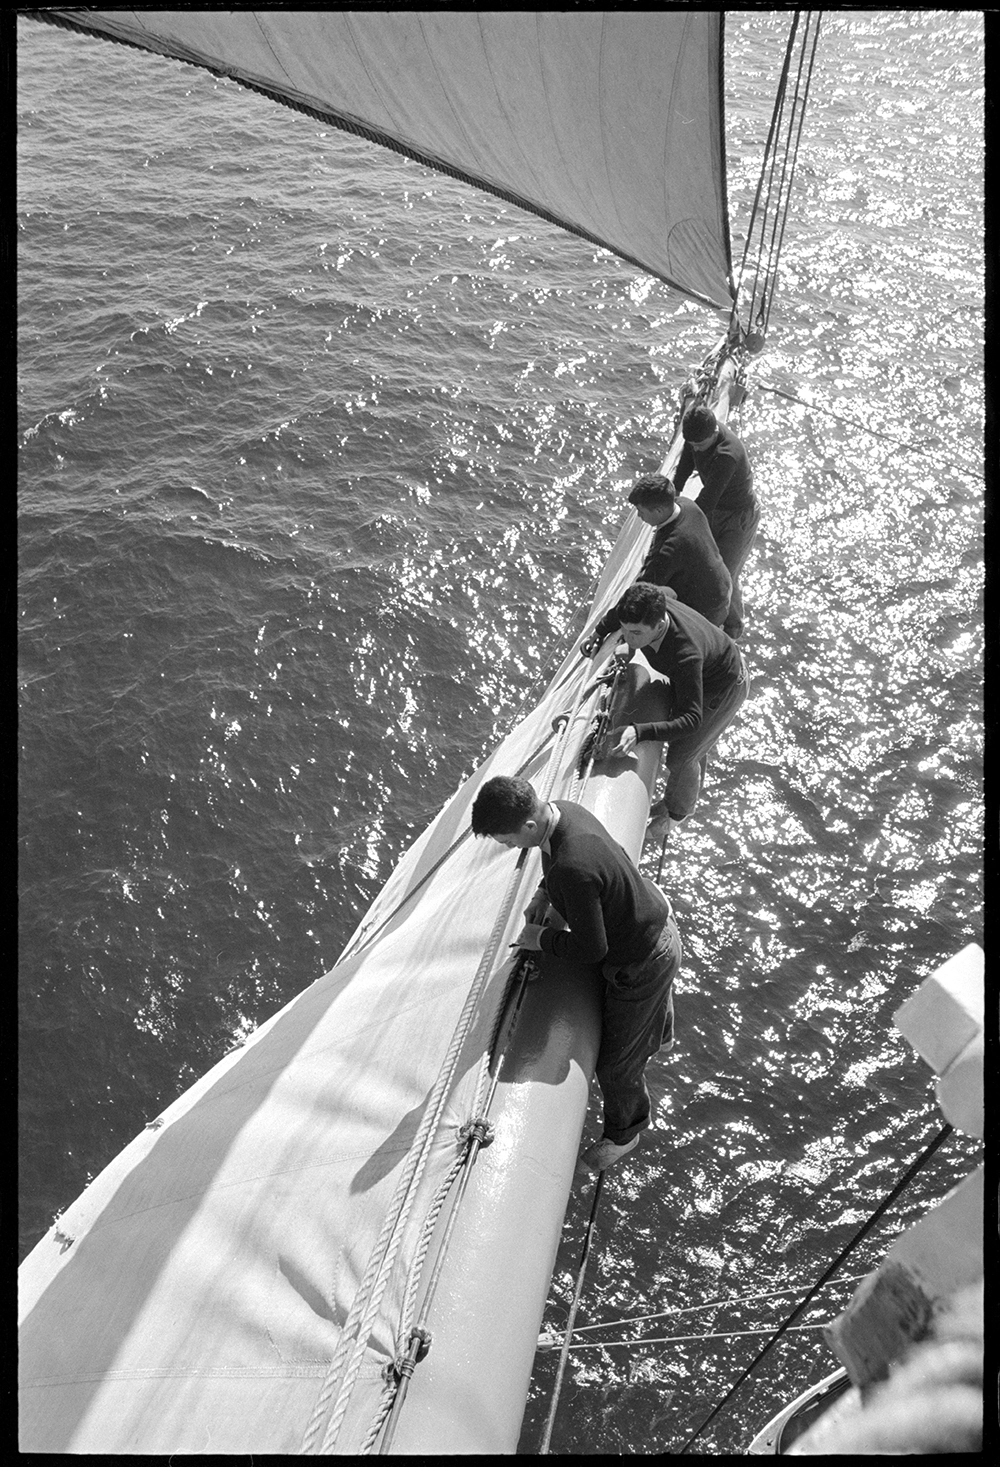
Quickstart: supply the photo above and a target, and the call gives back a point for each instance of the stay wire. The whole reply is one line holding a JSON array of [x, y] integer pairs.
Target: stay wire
[[729, 1302], [564, 1353], [796, 116], [798, 120], [775, 116], [925, 447], [770, 206], [862, 1232], [780, 213], [731, 1334]]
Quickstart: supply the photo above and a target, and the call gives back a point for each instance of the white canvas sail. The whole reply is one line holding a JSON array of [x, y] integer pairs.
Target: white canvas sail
[[608, 123], [236, 1281]]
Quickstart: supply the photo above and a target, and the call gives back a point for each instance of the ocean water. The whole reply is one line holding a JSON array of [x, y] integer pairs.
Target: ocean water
[[320, 456]]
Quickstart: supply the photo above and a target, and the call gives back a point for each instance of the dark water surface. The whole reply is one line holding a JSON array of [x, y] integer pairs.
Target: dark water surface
[[320, 455]]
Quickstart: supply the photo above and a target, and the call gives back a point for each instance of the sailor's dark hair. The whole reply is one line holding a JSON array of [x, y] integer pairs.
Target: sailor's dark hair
[[655, 491], [643, 602], [503, 805], [698, 423]]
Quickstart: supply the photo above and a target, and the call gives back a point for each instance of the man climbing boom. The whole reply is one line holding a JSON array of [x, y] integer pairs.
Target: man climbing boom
[[612, 917]]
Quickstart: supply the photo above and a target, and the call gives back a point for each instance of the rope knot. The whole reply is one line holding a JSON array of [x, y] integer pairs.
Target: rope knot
[[416, 1350], [477, 1130]]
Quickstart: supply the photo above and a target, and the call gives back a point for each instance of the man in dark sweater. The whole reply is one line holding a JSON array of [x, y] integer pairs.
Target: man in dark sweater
[[708, 681], [683, 555], [594, 907], [726, 497]]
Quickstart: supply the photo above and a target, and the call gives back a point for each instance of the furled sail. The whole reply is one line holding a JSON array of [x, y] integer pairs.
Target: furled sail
[[235, 1279], [608, 123]]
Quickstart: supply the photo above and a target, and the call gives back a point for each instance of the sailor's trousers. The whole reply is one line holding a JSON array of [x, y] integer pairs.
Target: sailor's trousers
[[687, 756], [734, 534], [637, 1019]]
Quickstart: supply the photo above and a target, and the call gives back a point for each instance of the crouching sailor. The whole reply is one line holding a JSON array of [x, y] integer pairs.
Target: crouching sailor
[[593, 906], [708, 681]]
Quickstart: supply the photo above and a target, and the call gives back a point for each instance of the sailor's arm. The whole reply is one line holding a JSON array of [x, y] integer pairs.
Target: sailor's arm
[[685, 467], [585, 940], [716, 478], [688, 706]]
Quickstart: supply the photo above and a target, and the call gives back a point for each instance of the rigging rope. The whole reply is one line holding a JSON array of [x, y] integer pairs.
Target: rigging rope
[[577, 1292], [731, 1334], [774, 185], [853, 423], [865, 1228], [798, 119], [549, 1341], [353, 1343], [416, 1336]]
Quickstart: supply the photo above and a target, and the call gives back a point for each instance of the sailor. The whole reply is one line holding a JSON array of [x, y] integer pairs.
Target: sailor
[[726, 496], [593, 906], [683, 555], [708, 681]]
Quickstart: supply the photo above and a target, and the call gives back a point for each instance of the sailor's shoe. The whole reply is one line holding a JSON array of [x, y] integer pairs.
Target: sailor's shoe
[[605, 1153], [660, 823]]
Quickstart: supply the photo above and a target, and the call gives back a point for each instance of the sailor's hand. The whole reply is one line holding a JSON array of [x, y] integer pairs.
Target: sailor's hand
[[536, 909], [528, 937], [627, 739]]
